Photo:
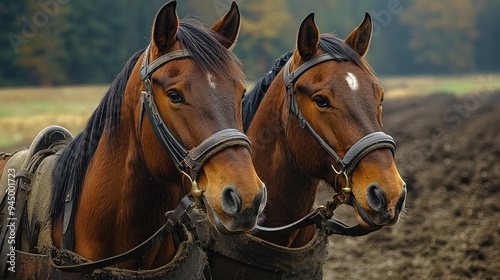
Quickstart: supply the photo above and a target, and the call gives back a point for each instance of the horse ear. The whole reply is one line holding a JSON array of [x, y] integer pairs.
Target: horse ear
[[307, 37], [165, 27], [228, 26], [359, 39]]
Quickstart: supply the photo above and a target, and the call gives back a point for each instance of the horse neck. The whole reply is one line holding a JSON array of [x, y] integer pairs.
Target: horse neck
[[122, 203], [291, 192]]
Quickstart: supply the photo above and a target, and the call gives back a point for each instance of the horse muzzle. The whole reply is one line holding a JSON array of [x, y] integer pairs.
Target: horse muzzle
[[382, 212], [241, 220]]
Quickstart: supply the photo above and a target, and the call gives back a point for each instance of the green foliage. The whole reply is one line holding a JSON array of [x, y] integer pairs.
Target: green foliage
[[10, 19], [265, 34], [53, 42], [443, 33]]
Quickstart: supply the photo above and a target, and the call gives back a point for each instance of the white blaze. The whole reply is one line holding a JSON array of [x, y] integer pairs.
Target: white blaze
[[209, 77], [352, 81]]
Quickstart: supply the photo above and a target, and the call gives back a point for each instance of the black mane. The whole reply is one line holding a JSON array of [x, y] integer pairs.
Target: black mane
[[327, 43], [252, 99], [70, 168], [69, 171]]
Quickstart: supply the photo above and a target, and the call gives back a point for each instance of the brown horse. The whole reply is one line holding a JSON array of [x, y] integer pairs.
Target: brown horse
[[169, 125], [320, 120]]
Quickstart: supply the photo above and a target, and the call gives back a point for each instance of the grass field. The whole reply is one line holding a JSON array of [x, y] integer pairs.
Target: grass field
[[26, 111], [417, 85]]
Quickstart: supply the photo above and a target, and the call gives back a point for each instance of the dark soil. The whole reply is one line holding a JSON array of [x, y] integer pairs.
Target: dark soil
[[448, 153]]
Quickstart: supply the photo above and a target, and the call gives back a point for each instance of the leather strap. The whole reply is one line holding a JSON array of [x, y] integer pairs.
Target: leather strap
[[371, 142], [186, 160], [173, 218], [332, 226], [68, 229], [190, 160], [175, 149], [13, 219], [147, 69], [310, 219], [215, 143], [337, 227], [290, 78]]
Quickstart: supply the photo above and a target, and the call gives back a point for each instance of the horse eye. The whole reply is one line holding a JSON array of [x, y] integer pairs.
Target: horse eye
[[322, 102], [244, 92], [175, 97]]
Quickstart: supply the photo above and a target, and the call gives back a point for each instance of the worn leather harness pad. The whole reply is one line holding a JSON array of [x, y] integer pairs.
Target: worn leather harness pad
[[305, 262], [25, 189], [188, 263]]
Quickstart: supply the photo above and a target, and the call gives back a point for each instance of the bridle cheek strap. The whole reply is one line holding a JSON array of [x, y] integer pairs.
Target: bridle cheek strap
[[190, 162]]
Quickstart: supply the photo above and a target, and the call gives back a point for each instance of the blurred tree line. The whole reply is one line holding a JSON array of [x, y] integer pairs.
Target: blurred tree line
[[53, 42]]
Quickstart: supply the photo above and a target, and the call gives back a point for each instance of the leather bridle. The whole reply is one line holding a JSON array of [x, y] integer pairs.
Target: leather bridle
[[188, 162], [345, 165]]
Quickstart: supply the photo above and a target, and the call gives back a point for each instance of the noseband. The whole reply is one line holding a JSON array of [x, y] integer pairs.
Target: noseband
[[367, 144], [188, 162]]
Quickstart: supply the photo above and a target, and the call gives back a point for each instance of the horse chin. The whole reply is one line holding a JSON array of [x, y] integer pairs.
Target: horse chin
[[224, 228], [369, 221]]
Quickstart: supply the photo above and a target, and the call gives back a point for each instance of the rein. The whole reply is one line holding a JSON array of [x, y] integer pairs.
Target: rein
[[173, 219], [373, 141]]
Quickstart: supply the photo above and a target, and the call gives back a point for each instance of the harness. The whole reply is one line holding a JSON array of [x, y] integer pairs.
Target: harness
[[304, 262], [188, 163], [322, 216]]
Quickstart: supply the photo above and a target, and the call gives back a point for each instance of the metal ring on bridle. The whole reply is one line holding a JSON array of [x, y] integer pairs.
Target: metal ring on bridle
[[346, 190]]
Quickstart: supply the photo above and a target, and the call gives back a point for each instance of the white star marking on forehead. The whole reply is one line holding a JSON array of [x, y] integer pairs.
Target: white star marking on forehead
[[352, 81], [209, 77]]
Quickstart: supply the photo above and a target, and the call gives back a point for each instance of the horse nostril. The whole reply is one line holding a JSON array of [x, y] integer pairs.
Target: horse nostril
[[401, 201], [377, 199], [259, 201], [231, 200]]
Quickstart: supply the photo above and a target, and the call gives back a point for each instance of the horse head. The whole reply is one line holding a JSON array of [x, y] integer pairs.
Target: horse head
[[338, 103], [196, 85]]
